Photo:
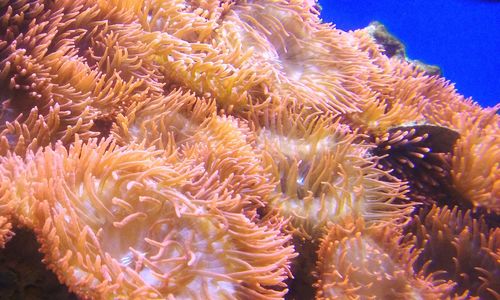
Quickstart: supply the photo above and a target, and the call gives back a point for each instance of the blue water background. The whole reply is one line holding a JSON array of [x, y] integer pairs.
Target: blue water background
[[460, 36]]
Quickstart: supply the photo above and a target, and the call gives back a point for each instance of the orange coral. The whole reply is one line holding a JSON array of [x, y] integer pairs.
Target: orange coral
[[68, 67], [5, 231], [228, 130], [123, 222], [476, 166], [456, 246], [357, 261], [325, 172], [420, 155]]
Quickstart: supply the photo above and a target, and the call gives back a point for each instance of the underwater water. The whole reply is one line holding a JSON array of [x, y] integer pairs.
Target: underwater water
[[462, 37]]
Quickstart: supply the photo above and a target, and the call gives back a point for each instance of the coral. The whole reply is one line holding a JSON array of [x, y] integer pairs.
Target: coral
[[5, 231], [359, 261], [128, 222], [68, 67], [238, 149], [419, 155], [457, 247], [475, 166], [324, 172]]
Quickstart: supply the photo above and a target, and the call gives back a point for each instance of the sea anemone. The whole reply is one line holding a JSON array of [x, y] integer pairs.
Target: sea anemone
[[173, 118], [325, 172], [357, 261], [476, 166], [69, 68], [188, 128], [455, 246], [184, 149], [123, 223], [5, 231], [421, 156]]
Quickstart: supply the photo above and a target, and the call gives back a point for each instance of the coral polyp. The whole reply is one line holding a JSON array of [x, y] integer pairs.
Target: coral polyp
[[234, 149]]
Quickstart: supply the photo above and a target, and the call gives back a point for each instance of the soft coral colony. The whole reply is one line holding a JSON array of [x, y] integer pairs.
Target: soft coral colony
[[213, 149]]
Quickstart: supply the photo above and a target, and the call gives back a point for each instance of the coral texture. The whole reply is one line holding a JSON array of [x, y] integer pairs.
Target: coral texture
[[239, 149]]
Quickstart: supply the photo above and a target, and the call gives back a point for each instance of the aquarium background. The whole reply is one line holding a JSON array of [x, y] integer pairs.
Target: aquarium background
[[462, 37]]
